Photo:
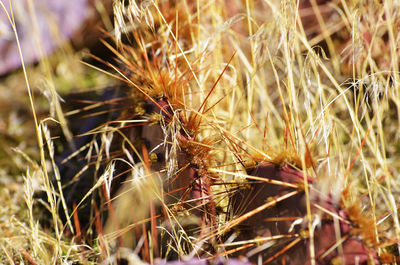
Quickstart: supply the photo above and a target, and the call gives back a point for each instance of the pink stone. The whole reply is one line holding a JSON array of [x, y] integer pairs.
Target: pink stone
[[57, 21]]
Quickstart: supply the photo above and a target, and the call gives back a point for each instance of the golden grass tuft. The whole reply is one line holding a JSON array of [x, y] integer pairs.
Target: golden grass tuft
[[217, 88]]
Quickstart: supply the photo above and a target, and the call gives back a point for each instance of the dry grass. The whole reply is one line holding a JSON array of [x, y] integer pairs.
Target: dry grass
[[313, 84]]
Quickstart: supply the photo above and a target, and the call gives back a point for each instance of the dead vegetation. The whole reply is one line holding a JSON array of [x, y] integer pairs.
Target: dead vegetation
[[258, 130]]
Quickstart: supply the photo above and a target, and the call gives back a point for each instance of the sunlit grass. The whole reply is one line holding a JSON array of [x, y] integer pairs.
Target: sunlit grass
[[247, 82]]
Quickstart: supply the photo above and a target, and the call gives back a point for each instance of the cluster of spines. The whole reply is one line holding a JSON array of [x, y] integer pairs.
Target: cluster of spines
[[164, 88]]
